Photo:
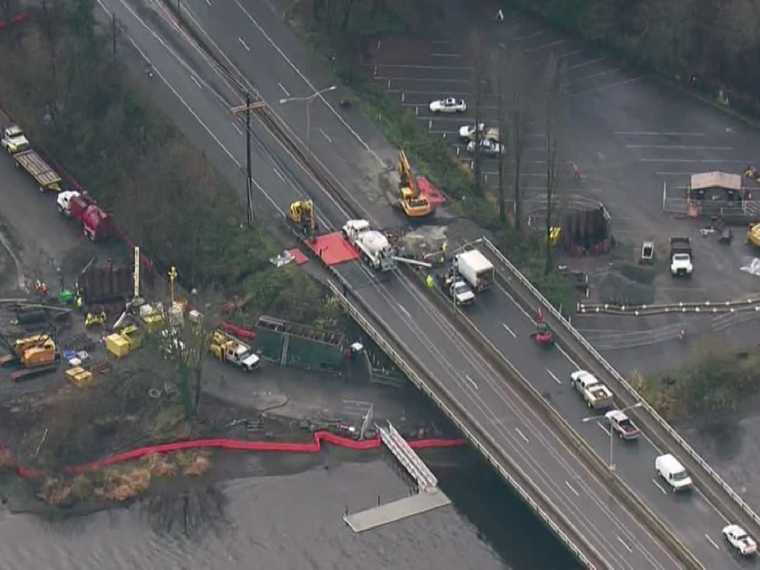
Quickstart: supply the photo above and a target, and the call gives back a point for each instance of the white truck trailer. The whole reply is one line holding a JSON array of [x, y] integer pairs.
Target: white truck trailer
[[474, 268], [374, 247]]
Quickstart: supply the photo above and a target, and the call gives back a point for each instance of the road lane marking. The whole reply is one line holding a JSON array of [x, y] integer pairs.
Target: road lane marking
[[566, 355], [403, 310], [554, 376], [660, 487], [238, 129], [324, 134], [658, 134], [278, 173], [664, 173], [446, 55], [306, 80], [208, 2], [621, 541], [472, 382], [711, 541], [287, 93], [529, 36], [679, 147], [544, 46], [605, 87], [245, 45], [195, 80], [586, 63], [568, 54], [509, 330], [521, 435], [569, 486]]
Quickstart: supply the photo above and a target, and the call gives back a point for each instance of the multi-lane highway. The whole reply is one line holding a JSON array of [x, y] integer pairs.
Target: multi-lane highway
[[243, 37]]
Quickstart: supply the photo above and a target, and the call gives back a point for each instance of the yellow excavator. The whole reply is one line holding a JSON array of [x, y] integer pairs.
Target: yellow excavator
[[414, 204], [302, 216], [753, 234]]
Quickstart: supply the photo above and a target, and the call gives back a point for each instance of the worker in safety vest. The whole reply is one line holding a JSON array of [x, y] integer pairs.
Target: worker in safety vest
[[429, 281]]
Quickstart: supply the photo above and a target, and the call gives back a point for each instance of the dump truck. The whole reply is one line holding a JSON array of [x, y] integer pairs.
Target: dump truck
[[13, 139], [475, 268], [35, 165], [230, 349], [96, 224], [681, 257], [373, 246], [596, 395]]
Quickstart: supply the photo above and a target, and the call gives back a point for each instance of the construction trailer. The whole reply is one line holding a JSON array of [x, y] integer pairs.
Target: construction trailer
[[300, 346]]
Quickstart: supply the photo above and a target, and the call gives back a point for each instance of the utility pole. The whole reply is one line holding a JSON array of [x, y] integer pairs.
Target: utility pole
[[247, 108]]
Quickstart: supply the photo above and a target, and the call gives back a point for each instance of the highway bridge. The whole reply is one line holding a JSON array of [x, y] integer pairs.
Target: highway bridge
[[508, 396]]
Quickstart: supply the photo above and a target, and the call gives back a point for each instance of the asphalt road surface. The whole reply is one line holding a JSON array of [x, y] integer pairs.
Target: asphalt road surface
[[520, 432]]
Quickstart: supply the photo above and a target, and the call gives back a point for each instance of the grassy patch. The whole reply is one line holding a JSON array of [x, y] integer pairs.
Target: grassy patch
[[715, 380]]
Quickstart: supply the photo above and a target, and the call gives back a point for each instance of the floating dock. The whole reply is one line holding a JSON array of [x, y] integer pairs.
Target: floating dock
[[418, 503], [427, 498]]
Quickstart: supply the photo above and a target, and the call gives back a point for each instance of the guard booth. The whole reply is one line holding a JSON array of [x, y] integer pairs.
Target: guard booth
[[300, 346]]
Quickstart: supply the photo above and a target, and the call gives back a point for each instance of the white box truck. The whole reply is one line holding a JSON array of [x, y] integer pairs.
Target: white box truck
[[474, 268]]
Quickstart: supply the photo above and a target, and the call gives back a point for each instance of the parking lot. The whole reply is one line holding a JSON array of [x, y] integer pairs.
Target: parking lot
[[628, 137]]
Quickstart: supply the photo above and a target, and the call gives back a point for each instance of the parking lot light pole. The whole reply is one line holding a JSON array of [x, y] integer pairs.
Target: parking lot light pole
[[309, 99], [609, 430]]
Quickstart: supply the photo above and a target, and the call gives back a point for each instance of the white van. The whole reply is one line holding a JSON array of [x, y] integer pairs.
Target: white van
[[670, 469]]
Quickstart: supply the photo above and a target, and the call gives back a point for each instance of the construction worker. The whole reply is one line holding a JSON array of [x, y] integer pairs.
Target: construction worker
[[79, 303], [429, 281]]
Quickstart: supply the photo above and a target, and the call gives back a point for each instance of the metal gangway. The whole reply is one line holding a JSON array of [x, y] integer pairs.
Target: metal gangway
[[427, 498], [393, 440]]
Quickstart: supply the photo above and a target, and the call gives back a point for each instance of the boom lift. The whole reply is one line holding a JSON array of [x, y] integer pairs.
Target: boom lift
[[414, 204], [301, 215]]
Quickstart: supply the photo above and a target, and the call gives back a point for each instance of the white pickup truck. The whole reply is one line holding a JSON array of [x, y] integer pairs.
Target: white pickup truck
[[596, 395]]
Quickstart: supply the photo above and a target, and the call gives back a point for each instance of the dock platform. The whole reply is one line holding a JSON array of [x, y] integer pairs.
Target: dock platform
[[421, 502]]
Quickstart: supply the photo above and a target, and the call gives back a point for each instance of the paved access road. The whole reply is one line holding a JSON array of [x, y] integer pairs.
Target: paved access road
[[519, 431]]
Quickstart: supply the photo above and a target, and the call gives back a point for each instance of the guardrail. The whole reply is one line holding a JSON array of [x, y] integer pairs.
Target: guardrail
[[416, 379], [704, 307], [664, 425]]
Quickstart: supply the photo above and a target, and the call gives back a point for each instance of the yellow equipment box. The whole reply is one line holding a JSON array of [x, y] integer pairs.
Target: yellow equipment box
[[153, 322], [117, 345], [78, 375]]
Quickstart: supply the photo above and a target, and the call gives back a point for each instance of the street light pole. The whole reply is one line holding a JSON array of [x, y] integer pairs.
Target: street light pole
[[309, 99], [611, 463]]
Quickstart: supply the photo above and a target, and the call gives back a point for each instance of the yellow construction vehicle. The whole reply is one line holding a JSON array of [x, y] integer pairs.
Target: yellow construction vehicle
[[414, 204], [31, 351], [753, 234], [93, 319], [301, 214], [228, 348]]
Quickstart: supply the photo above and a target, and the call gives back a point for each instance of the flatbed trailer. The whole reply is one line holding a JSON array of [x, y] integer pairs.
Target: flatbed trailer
[[29, 373], [41, 171]]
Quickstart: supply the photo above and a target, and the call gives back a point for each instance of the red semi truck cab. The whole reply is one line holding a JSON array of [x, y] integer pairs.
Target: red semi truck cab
[[96, 224]]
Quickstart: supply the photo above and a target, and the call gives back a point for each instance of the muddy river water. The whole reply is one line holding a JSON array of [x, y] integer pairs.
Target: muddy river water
[[277, 512]]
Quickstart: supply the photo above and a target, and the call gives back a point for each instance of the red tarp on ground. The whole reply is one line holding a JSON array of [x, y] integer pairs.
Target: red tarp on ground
[[333, 248], [298, 256], [430, 191]]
